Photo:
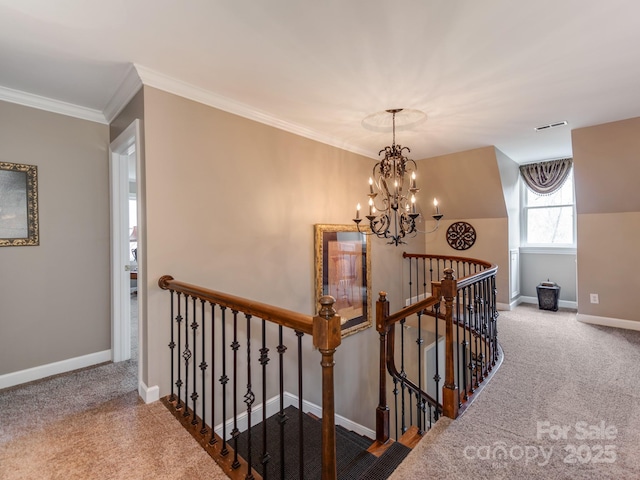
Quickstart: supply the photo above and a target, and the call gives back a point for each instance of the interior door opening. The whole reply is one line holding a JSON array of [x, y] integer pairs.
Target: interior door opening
[[125, 246]]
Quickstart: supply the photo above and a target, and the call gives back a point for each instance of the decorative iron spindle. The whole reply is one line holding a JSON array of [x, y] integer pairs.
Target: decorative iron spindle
[[411, 283], [282, 417], [424, 277], [172, 346], [395, 396], [264, 360], [465, 344], [419, 342], [494, 292], [186, 354], [403, 375], [213, 440], [235, 432], [203, 368], [179, 381], [249, 399], [224, 379], [194, 395], [458, 366], [300, 414], [437, 377]]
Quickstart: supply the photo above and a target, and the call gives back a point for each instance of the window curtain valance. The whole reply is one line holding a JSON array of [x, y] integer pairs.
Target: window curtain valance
[[545, 178]]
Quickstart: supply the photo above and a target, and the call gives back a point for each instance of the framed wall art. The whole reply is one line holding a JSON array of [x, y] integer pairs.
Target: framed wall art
[[18, 205], [343, 270]]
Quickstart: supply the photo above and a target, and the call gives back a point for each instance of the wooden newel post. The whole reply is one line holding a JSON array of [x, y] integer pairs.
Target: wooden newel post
[[450, 397], [326, 338], [382, 412]]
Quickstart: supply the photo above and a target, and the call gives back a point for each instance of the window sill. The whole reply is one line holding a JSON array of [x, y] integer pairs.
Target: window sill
[[549, 250]]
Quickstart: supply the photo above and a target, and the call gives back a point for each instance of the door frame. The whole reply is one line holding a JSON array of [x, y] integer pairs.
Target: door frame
[[120, 277]]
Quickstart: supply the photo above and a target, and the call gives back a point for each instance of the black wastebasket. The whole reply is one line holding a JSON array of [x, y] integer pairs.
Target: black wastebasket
[[548, 294]]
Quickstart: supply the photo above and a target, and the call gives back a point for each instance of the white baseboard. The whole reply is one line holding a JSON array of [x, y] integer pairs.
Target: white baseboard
[[36, 373], [561, 303], [340, 420], [506, 306], [148, 394], [608, 322], [273, 406]]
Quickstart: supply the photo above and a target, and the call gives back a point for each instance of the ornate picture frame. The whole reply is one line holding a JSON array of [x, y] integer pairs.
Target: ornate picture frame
[[343, 270], [18, 205]]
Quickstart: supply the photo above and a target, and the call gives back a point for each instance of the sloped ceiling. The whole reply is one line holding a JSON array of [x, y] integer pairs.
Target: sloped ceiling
[[485, 73]]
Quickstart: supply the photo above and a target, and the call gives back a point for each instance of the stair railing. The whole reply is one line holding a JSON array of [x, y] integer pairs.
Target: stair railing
[[461, 341], [218, 321]]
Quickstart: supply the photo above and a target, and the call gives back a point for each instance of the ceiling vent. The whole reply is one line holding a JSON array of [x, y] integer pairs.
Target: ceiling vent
[[551, 125]]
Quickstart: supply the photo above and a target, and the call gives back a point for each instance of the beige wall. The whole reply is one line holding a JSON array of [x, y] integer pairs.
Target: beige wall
[[231, 205], [54, 298], [607, 170], [539, 267], [469, 188]]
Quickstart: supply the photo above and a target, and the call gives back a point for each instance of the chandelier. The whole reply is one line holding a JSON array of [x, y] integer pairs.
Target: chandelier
[[392, 194]]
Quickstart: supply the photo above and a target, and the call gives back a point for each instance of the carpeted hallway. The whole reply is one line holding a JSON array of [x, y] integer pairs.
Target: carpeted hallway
[[558, 372], [92, 425]]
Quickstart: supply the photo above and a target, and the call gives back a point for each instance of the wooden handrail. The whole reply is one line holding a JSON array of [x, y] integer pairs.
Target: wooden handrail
[[281, 316], [325, 329], [412, 309], [448, 257], [475, 277]]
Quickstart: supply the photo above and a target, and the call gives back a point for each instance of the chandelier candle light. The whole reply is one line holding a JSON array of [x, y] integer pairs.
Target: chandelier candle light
[[392, 194]]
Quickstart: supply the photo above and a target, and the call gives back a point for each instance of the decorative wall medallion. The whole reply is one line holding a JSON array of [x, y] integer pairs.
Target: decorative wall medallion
[[461, 235]]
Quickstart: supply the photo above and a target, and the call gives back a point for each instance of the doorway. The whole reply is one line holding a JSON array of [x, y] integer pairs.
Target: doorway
[[125, 245]]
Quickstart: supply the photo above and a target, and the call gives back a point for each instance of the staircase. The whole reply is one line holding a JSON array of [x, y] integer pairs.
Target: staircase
[[358, 457]]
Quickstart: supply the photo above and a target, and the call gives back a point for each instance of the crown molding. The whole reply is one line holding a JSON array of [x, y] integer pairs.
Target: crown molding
[[50, 105], [129, 86], [183, 89]]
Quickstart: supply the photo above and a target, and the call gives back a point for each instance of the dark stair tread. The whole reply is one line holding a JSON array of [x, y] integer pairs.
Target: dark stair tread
[[384, 466], [350, 455], [355, 437]]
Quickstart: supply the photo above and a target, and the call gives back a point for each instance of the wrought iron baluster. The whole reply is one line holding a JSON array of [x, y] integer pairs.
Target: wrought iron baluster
[[424, 277], [203, 368], [172, 346], [458, 366], [411, 281], [194, 395], [235, 432], [485, 327], [475, 335], [437, 377], [403, 375], [282, 417], [224, 379], [495, 319], [249, 399], [431, 270], [395, 396], [213, 439], [186, 355], [264, 360], [179, 381], [468, 329], [300, 414], [419, 404]]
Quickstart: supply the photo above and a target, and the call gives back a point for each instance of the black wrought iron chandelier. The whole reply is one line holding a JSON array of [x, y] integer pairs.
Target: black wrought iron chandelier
[[392, 194]]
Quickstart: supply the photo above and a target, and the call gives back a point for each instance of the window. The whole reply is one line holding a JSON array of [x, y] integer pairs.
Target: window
[[549, 220]]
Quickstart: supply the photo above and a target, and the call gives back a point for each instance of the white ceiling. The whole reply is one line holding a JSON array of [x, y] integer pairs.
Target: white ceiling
[[485, 72]]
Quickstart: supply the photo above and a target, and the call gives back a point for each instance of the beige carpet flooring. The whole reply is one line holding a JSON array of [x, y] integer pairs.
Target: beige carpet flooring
[[564, 405], [92, 425]]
